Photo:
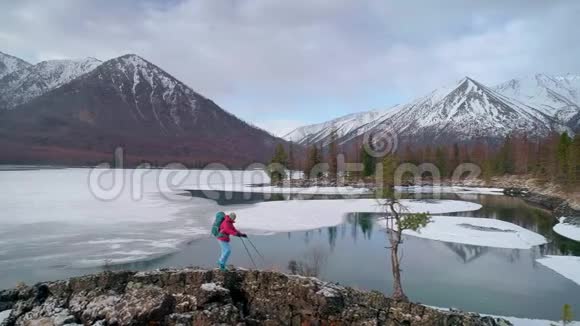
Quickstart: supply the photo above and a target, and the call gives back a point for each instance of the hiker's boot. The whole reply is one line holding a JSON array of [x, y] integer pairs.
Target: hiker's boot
[[222, 267]]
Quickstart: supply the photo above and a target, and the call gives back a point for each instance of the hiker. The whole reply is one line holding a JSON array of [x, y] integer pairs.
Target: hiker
[[225, 229]]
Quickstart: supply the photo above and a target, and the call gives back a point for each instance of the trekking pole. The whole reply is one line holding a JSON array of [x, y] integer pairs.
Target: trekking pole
[[249, 255], [251, 243]]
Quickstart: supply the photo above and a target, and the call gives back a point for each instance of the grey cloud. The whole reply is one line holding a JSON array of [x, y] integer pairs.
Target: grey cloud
[[286, 50]]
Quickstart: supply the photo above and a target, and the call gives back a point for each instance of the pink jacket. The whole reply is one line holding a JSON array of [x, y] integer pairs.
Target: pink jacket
[[227, 228]]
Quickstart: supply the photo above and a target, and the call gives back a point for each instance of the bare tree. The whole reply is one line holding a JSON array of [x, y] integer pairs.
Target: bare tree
[[398, 219]]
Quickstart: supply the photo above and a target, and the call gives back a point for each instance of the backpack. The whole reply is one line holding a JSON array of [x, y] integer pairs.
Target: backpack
[[215, 229]]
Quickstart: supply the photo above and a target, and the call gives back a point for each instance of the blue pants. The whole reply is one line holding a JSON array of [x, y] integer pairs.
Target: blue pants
[[226, 251]]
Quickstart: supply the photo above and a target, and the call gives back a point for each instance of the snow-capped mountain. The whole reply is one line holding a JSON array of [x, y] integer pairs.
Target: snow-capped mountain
[[9, 64], [463, 112], [132, 103], [557, 96], [24, 84], [469, 111], [341, 126]]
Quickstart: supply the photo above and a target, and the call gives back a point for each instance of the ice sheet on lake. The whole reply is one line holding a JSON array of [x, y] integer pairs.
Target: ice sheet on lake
[[53, 217], [478, 232], [567, 230], [65, 196], [567, 266], [60, 222], [296, 215]]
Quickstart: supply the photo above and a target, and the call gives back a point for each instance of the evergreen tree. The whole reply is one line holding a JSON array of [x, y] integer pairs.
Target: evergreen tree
[[368, 162], [520, 154], [487, 171], [291, 161], [441, 161], [504, 163], [314, 158], [455, 160], [305, 163], [479, 153], [427, 155], [333, 156], [574, 162], [389, 164], [546, 163], [562, 157], [532, 157], [409, 155], [280, 157]]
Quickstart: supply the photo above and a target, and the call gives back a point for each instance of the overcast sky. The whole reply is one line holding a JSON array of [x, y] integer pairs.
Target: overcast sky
[[281, 64]]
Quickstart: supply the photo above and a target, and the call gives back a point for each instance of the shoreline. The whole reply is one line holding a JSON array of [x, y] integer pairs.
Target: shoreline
[[546, 196], [194, 296], [563, 206]]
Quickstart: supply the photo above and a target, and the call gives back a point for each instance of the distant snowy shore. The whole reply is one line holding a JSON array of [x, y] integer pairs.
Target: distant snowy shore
[[329, 188], [568, 230]]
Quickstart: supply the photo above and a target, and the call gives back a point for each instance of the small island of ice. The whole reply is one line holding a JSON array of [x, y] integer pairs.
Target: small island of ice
[[567, 230], [484, 232]]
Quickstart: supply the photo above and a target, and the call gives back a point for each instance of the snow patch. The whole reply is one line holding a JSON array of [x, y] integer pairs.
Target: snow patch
[[299, 215], [213, 287], [4, 314], [330, 290], [516, 321], [484, 232], [451, 189], [567, 266]]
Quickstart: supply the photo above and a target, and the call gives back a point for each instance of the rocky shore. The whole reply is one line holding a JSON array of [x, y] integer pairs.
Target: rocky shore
[[545, 195], [558, 206], [210, 297]]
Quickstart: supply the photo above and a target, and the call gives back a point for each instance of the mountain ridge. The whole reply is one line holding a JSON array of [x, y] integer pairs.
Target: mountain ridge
[[132, 103], [24, 84], [558, 96], [466, 111], [10, 63]]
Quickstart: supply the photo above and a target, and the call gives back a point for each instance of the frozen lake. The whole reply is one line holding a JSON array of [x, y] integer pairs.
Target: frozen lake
[[52, 226]]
